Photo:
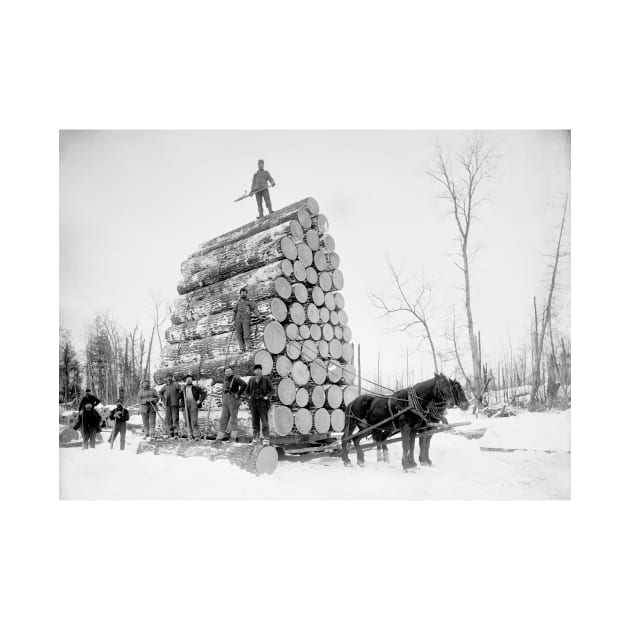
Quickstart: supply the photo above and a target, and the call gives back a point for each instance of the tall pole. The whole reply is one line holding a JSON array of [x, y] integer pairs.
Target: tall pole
[[407, 383], [378, 372], [359, 362]]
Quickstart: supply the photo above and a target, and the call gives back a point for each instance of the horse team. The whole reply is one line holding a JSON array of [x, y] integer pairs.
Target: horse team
[[412, 411]]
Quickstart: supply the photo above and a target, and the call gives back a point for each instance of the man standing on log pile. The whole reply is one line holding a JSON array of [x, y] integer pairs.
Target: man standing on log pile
[[90, 424], [260, 187], [147, 398], [258, 390], [243, 311], [192, 397], [88, 398], [233, 388], [170, 397]]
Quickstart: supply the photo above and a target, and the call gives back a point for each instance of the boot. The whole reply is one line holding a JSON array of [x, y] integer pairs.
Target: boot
[[233, 436]]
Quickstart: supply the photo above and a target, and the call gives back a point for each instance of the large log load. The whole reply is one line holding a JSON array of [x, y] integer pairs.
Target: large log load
[[289, 265]]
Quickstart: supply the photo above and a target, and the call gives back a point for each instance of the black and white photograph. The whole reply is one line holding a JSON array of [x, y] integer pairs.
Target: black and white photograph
[[315, 314]]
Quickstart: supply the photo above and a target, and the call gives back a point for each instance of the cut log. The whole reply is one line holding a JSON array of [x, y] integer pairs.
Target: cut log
[[301, 397], [283, 365], [320, 223], [305, 218], [274, 337], [207, 348], [343, 317], [327, 330], [281, 420], [349, 374], [309, 351], [294, 349], [297, 314], [318, 371], [320, 261], [315, 330], [300, 292], [333, 260], [305, 331], [318, 396], [334, 395], [329, 301], [312, 239], [325, 281], [299, 271], [338, 332], [312, 314], [334, 318], [297, 231], [211, 368], [286, 391], [67, 434], [239, 258], [334, 371], [318, 296], [337, 420], [323, 349], [279, 309], [260, 225], [321, 420], [263, 358], [300, 373], [287, 268], [347, 352], [282, 287], [292, 331], [337, 279], [311, 275], [328, 242], [254, 458], [350, 392], [335, 349], [324, 315], [305, 254], [347, 334], [340, 302], [303, 420]]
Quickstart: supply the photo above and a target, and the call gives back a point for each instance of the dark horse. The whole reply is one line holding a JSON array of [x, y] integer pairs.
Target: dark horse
[[419, 404]]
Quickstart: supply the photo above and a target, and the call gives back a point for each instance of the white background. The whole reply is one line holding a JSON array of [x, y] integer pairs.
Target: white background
[[324, 65]]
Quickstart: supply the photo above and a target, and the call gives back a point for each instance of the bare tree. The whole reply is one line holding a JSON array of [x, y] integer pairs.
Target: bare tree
[[160, 313], [462, 184], [540, 337], [410, 306]]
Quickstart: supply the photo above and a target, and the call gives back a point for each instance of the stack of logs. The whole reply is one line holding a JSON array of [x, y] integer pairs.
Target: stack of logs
[[301, 337]]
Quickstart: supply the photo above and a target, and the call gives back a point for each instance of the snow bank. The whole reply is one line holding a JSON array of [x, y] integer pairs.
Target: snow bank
[[547, 432]]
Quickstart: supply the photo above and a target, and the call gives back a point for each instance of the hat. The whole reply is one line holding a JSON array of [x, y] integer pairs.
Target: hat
[[187, 375], [119, 400], [243, 289], [88, 390], [258, 366]]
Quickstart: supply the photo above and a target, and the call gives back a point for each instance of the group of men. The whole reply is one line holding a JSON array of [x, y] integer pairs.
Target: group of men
[[189, 397]]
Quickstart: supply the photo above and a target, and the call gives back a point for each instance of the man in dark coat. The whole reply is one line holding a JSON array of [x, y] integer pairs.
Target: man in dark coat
[[170, 397], [192, 396], [243, 311], [260, 187], [119, 415], [147, 399], [89, 423], [259, 389], [233, 388], [88, 398]]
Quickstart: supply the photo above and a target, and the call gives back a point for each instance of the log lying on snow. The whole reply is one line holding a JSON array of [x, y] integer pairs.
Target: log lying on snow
[[260, 225]]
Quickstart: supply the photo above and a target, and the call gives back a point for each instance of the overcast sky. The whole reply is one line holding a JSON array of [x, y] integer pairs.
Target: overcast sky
[[133, 205]]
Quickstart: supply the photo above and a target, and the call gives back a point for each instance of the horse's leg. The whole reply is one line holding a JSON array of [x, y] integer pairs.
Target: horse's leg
[[347, 430], [379, 451], [357, 445], [385, 452], [412, 446], [405, 431], [427, 459]]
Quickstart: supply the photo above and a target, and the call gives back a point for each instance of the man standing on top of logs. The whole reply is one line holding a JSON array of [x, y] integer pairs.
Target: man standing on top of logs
[[233, 388], [258, 390], [192, 396], [243, 311], [260, 187], [170, 399]]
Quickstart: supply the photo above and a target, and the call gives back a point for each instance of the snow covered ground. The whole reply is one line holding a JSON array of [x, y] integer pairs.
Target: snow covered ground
[[462, 469]]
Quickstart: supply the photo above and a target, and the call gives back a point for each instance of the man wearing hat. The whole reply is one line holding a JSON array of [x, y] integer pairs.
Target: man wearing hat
[[148, 398], [192, 396], [260, 187], [88, 398], [170, 398], [233, 388], [259, 389], [119, 415], [90, 424], [243, 311]]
